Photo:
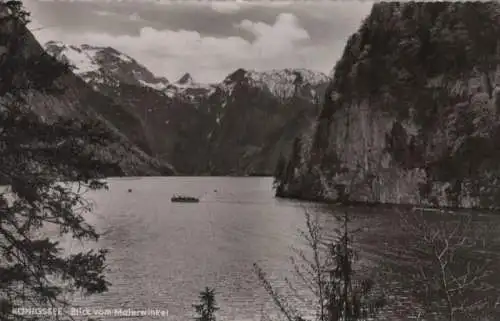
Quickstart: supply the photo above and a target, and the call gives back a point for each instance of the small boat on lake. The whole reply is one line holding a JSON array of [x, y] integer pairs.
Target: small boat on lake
[[184, 199]]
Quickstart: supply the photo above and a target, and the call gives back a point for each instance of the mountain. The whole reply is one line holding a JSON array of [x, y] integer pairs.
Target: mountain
[[238, 126], [258, 116], [412, 114], [104, 65], [76, 99], [186, 79]]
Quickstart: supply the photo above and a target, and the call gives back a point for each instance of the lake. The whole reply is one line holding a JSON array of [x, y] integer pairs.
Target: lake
[[163, 254]]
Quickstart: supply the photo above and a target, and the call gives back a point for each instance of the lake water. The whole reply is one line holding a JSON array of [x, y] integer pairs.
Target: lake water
[[163, 254]]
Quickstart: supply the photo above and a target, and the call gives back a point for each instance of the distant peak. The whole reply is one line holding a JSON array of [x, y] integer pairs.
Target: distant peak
[[185, 79], [237, 75], [86, 46], [110, 50], [53, 42]]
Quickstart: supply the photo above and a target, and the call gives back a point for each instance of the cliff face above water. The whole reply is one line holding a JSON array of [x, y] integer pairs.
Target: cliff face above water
[[412, 113]]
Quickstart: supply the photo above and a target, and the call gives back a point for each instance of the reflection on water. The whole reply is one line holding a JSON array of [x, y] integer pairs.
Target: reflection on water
[[162, 254]]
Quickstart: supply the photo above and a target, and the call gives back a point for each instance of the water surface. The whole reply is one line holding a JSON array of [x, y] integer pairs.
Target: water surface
[[162, 254]]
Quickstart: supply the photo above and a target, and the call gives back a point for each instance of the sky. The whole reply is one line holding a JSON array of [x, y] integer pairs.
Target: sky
[[208, 39]]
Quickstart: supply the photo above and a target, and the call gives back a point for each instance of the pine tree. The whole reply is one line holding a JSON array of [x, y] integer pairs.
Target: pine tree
[[327, 271], [45, 166], [207, 307], [349, 298]]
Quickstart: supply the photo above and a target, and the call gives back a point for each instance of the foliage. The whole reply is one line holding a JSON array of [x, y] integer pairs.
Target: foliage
[[449, 271], [417, 38], [329, 275], [46, 167], [207, 307]]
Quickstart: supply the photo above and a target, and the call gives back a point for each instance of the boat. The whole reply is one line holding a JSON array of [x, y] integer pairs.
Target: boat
[[184, 199]]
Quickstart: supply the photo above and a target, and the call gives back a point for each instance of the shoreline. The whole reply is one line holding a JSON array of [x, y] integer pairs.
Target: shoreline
[[384, 206]]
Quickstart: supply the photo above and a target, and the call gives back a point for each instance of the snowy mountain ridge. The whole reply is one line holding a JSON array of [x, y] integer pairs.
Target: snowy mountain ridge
[[280, 82], [99, 65], [106, 65]]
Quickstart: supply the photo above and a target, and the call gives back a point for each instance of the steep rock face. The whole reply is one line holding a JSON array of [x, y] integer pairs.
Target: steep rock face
[[74, 98], [411, 115]]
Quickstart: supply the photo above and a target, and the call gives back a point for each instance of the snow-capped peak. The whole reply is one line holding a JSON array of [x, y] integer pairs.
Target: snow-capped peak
[[99, 65], [281, 82], [296, 75], [186, 79], [187, 87], [81, 60]]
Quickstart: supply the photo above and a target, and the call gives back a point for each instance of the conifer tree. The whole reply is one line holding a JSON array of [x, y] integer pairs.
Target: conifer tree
[[207, 307], [327, 271], [44, 165]]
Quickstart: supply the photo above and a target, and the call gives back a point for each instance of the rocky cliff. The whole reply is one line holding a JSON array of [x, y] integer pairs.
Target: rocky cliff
[[71, 97], [412, 113]]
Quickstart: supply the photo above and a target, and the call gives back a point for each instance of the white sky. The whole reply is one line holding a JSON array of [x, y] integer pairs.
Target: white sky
[[207, 39]]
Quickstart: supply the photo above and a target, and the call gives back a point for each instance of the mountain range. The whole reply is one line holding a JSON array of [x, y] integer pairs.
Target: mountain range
[[238, 126]]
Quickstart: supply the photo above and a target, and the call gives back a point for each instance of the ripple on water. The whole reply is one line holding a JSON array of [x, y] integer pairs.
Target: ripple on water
[[162, 255]]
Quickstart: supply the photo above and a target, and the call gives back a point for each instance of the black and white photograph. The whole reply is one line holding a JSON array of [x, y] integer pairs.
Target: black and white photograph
[[251, 160]]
